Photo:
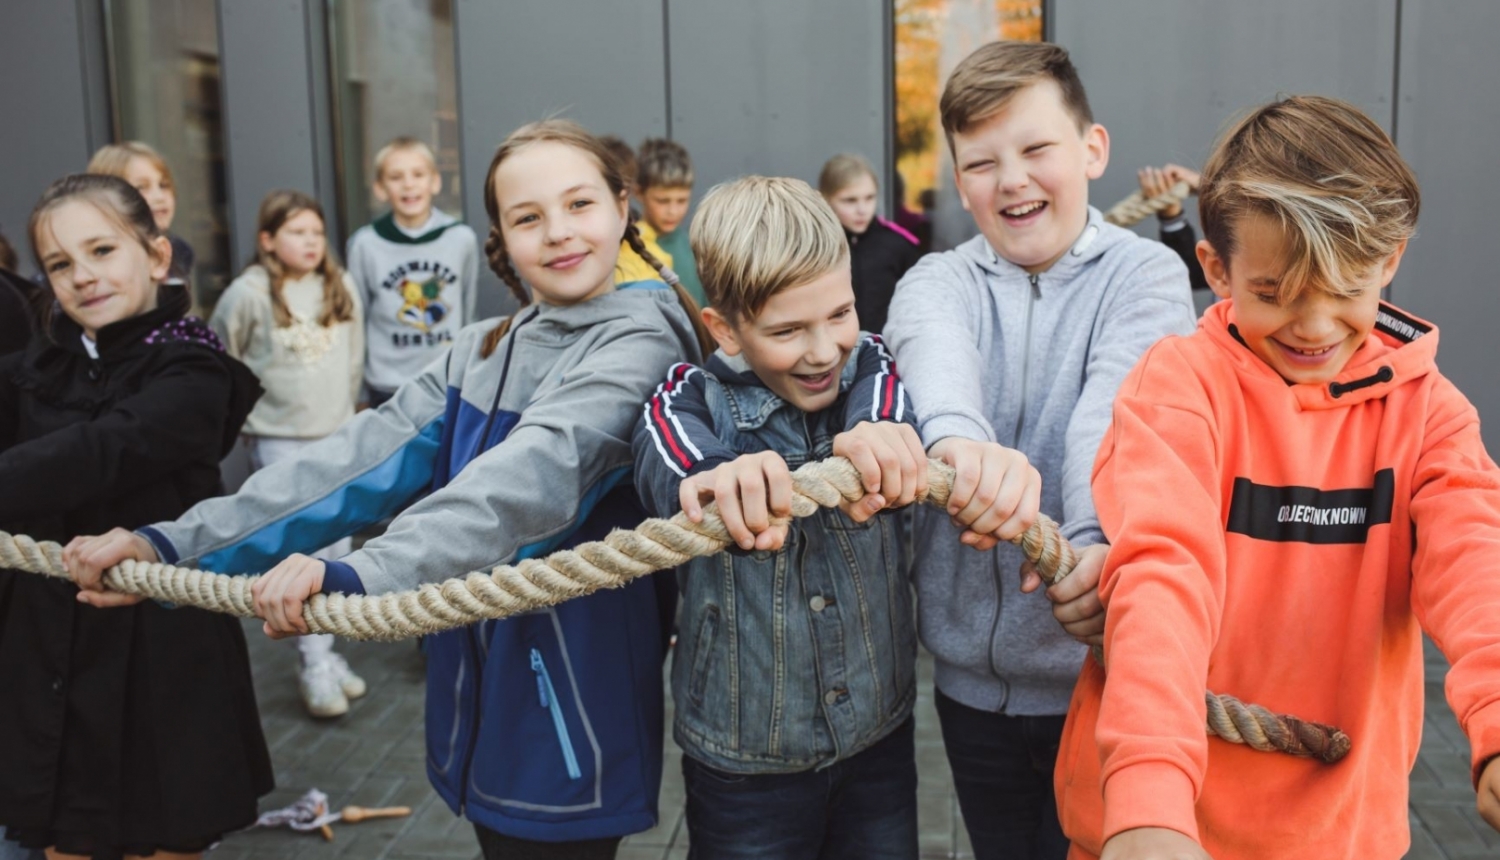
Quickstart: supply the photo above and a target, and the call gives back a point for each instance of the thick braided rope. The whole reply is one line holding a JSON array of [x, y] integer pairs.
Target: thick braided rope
[[1135, 208], [655, 544]]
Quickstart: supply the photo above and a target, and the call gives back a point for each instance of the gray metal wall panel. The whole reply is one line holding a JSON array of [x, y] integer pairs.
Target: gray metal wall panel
[[1449, 115], [268, 111], [602, 64], [45, 104], [791, 84], [320, 91], [1166, 76]]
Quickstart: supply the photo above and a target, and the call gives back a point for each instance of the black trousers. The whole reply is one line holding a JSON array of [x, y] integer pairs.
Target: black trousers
[[498, 846], [1002, 771]]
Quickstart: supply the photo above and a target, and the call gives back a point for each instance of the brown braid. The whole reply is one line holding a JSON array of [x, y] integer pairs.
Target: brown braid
[[638, 245], [499, 259]]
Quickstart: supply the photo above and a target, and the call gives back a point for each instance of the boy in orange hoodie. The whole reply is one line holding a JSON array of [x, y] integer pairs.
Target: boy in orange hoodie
[[1292, 494]]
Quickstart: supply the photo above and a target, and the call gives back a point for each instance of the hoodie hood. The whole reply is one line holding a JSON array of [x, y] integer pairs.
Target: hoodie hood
[[1400, 349], [648, 303]]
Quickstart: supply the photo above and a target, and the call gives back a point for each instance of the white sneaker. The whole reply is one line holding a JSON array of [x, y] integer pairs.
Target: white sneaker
[[352, 684], [321, 688]]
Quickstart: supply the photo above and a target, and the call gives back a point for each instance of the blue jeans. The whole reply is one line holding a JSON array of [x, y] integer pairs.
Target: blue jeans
[[863, 807], [1002, 772]]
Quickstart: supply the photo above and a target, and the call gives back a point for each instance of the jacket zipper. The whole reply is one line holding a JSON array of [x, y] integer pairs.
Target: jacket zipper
[[547, 696], [474, 715], [463, 786], [1034, 295], [1033, 298]]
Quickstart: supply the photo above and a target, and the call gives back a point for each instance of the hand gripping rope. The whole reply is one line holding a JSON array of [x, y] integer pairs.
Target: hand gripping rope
[[1135, 208], [655, 544]]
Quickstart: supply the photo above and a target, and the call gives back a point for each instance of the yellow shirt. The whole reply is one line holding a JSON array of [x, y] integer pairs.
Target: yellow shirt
[[632, 267]]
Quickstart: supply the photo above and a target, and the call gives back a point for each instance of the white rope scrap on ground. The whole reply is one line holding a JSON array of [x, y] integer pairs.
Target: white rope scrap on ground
[[656, 544]]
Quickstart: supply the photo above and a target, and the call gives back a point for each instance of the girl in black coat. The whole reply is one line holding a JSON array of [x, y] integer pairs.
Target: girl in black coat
[[123, 731], [879, 251]]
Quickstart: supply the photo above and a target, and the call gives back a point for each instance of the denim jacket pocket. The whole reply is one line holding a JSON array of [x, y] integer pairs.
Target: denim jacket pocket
[[703, 648]]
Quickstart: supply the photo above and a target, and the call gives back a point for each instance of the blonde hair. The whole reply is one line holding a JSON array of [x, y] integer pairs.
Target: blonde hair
[[663, 163], [1327, 174], [759, 235], [571, 134], [114, 160], [841, 171], [403, 144], [278, 208], [983, 82]]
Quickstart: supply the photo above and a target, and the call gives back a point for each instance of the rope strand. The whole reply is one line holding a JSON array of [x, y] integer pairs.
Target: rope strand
[[1135, 208], [622, 556]]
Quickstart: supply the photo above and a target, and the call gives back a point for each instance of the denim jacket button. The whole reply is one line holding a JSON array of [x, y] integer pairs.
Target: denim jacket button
[[832, 697], [818, 604]]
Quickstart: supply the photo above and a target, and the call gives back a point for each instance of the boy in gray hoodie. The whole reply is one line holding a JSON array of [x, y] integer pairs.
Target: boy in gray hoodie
[[1021, 336], [417, 268]]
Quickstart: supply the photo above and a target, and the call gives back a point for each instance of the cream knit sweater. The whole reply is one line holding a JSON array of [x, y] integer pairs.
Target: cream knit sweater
[[311, 373]]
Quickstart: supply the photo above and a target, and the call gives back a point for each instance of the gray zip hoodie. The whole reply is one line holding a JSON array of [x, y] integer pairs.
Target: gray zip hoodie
[[1033, 362]]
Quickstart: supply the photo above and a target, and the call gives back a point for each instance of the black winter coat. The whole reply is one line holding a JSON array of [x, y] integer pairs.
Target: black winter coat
[[130, 728], [879, 257], [17, 311]]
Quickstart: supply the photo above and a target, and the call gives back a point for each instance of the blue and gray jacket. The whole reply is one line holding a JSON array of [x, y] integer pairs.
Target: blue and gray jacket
[[790, 660], [546, 726]]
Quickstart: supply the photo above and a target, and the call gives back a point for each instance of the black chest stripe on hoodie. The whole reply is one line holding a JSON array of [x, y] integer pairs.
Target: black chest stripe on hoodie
[[1310, 515]]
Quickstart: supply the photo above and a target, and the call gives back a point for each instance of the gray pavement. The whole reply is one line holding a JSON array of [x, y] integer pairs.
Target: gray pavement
[[373, 757]]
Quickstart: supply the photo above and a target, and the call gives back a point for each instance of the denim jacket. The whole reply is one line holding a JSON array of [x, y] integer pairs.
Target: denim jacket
[[791, 660]]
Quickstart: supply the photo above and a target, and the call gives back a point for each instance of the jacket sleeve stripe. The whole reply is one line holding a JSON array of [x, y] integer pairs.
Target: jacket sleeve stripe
[[890, 394], [672, 442], [368, 498]]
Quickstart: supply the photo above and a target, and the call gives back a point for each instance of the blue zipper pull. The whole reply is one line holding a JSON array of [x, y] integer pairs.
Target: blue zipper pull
[[541, 679]]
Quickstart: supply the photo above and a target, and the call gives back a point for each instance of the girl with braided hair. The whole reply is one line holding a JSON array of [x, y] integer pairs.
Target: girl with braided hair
[[545, 730], [133, 732]]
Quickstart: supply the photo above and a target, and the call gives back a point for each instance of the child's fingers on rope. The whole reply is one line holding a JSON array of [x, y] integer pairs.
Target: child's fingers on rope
[[889, 459], [867, 507], [751, 492], [87, 557], [109, 599], [991, 488], [280, 592], [692, 492], [1075, 598], [1176, 173]]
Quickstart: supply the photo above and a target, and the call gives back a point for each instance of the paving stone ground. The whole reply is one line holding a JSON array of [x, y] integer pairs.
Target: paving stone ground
[[373, 757]]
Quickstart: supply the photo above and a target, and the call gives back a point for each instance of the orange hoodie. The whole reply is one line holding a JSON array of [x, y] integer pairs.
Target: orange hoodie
[[1282, 543]]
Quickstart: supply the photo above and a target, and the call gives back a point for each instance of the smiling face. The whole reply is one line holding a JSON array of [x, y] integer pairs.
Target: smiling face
[[299, 243], [855, 204], [408, 181], [562, 226], [1024, 175], [160, 196], [664, 207], [1310, 338], [100, 272], [799, 342]]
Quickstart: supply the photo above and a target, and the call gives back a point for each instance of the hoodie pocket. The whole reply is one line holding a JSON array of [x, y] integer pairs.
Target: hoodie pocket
[[547, 698]]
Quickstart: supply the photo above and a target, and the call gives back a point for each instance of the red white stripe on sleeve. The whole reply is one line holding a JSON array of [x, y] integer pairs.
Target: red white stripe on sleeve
[[888, 402], [672, 442]]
